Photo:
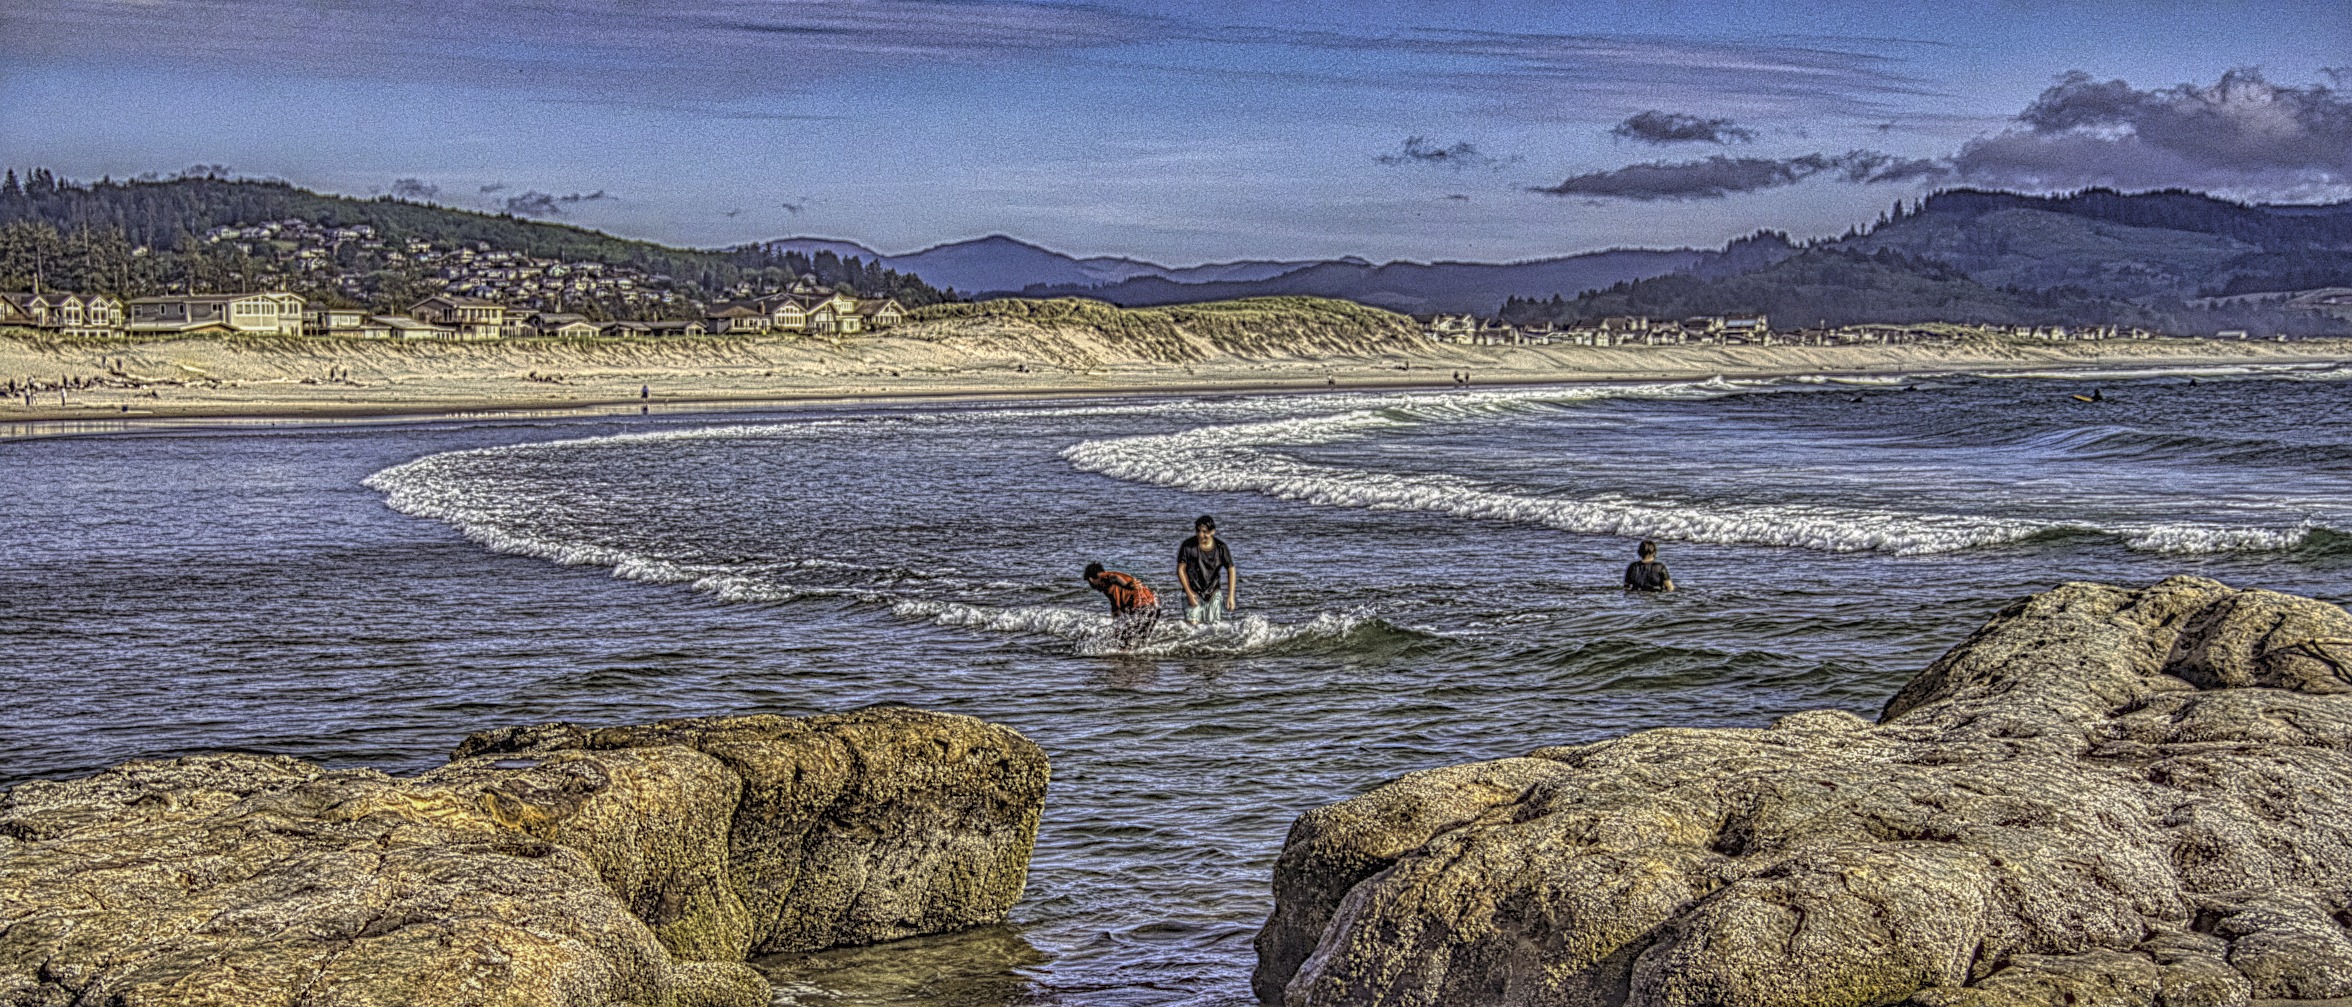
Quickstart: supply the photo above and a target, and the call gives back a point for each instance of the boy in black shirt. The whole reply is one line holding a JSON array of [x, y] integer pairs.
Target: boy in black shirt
[[1205, 568], [1647, 574]]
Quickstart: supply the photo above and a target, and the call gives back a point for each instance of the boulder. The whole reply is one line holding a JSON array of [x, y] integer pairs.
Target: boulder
[[2104, 796], [555, 865]]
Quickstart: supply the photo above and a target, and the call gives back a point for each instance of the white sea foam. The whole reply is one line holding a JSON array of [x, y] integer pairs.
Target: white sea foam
[[1245, 457], [1089, 631]]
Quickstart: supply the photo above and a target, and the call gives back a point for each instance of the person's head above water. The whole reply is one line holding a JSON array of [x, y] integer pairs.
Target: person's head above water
[[1648, 550], [1093, 570]]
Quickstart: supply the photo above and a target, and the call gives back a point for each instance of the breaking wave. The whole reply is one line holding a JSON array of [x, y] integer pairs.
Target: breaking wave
[[1242, 457], [1089, 632]]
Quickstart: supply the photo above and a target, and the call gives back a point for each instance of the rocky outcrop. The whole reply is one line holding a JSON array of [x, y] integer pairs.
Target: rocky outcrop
[[2103, 797], [555, 865]]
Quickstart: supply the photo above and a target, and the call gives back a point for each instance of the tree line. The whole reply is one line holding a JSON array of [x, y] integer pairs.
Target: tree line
[[144, 237]]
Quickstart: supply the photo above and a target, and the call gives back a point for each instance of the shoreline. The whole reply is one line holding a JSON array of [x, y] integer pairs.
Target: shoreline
[[476, 381]]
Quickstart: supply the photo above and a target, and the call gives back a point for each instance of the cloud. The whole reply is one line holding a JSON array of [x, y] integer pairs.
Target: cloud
[[541, 204], [1461, 156], [1719, 176], [414, 189], [795, 206], [654, 53], [1655, 127], [533, 204], [1455, 197], [2242, 136], [493, 187], [1550, 75]]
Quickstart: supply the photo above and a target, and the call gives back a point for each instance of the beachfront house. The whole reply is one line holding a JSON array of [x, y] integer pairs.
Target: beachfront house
[[740, 318], [880, 312], [556, 323], [468, 317], [624, 328], [686, 327], [1748, 328], [342, 323], [1452, 328], [405, 327], [63, 314], [275, 313]]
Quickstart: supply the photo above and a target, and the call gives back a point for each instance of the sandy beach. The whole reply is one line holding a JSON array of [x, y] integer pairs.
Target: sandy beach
[[114, 382]]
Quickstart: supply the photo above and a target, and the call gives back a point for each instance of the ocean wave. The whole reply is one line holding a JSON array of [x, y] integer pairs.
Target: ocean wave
[[1239, 458], [1089, 632]]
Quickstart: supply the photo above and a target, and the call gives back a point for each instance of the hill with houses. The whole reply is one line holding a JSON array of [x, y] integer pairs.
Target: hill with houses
[[209, 235], [2168, 261]]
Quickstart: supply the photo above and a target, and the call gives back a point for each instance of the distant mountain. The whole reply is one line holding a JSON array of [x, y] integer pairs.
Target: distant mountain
[[998, 264], [2155, 259], [1409, 287]]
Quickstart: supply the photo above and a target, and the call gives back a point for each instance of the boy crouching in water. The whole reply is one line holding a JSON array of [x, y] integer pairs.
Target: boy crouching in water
[[1134, 609]]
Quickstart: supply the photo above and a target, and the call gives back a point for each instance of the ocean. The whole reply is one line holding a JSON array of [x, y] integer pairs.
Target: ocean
[[1427, 577]]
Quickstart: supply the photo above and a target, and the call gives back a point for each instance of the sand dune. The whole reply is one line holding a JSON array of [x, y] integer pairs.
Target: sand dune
[[1007, 348]]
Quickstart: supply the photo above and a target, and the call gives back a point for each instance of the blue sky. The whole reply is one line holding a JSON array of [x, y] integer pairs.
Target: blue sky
[[1189, 132]]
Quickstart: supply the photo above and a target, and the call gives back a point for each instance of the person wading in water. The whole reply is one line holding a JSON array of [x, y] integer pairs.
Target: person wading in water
[[1646, 573], [1205, 567], [1134, 609]]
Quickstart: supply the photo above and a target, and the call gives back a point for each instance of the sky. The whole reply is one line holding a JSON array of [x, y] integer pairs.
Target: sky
[[1183, 132]]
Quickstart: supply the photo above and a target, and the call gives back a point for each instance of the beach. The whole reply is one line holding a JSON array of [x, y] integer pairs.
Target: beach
[[174, 379]]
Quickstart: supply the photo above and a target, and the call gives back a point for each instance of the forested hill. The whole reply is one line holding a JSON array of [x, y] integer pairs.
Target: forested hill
[[145, 237], [2176, 261]]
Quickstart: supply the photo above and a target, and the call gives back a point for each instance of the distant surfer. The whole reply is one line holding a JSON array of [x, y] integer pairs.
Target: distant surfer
[[1204, 566], [2094, 396], [1646, 573], [1134, 609]]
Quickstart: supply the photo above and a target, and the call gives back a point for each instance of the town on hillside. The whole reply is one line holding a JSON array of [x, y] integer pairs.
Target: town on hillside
[[806, 307]]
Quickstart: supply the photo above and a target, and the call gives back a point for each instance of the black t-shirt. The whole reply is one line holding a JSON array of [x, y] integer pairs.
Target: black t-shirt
[[1205, 571], [1645, 575]]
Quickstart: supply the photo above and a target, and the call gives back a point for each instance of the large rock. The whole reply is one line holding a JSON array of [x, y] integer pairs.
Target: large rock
[[555, 865], [2103, 797]]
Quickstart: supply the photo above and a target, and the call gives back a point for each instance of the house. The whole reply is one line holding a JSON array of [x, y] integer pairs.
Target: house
[[556, 323], [740, 318], [624, 328], [320, 320], [1452, 328], [880, 312], [1753, 328], [275, 313], [405, 327], [688, 327], [469, 317], [66, 314]]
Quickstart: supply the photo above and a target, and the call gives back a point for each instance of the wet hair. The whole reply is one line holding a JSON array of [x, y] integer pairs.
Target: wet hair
[[1092, 569], [1204, 521], [1649, 549]]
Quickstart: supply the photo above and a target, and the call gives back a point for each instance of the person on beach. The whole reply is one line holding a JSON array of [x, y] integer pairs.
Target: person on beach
[[1646, 573], [1134, 609], [1205, 567]]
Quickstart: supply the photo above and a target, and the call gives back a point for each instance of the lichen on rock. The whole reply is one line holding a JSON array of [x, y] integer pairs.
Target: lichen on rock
[[559, 865], [2104, 796]]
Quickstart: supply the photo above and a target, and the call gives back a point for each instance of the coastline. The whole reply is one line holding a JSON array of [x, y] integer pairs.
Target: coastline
[[133, 385]]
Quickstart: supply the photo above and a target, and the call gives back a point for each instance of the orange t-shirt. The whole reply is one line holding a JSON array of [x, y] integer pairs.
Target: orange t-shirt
[[1126, 593]]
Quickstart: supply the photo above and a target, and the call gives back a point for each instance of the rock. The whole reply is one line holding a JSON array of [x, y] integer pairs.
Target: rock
[[2104, 796], [551, 866]]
